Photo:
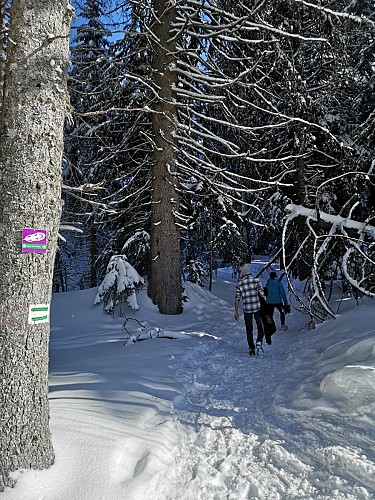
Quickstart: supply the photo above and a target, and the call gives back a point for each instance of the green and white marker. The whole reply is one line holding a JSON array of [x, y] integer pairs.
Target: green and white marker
[[38, 313]]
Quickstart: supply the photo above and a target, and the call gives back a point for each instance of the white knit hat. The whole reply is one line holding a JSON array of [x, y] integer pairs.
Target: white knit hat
[[245, 269]]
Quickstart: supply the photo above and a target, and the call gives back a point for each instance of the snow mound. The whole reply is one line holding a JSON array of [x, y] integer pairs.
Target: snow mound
[[350, 389]]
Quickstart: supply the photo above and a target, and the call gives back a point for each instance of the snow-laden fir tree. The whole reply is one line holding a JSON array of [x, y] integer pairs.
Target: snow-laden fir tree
[[196, 272], [119, 286], [89, 91]]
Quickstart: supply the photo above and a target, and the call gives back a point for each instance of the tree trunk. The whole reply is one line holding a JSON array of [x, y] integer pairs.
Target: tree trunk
[[211, 258], [165, 270], [31, 146], [93, 255], [300, 177], [3, 45]]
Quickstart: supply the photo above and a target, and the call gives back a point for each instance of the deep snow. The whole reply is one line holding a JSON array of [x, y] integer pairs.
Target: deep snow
[[196, 418]]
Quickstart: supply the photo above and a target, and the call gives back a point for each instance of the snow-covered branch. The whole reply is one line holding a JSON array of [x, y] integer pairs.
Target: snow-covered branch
[[329, 245], [294, 211], [84, 188], [336, 13]]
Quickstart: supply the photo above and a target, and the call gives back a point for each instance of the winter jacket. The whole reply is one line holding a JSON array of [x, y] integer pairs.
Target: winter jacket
[[248, 289], [276, 292]]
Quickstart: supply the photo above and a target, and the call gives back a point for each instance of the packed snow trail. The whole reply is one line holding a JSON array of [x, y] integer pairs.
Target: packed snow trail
[[241, 445], [198, 419]]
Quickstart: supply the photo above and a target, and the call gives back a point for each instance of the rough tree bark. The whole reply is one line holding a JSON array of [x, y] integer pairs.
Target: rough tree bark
[[31, 145], [3, 44], [165, 269]]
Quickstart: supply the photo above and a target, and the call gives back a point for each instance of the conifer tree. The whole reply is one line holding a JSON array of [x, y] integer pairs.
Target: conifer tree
[[89, 90]]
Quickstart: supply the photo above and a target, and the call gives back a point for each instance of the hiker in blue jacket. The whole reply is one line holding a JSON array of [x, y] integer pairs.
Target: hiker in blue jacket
[[276, 297]]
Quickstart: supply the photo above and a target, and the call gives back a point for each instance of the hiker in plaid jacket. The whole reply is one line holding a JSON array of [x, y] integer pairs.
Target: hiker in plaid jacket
[[249, 289]]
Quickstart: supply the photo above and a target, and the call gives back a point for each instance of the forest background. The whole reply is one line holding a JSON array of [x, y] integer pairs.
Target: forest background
[[197, 154]]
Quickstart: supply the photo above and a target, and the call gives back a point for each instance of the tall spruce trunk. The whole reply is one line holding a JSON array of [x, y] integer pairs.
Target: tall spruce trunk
[[31, 145], [165, 288], [3, 43], [93, 255]]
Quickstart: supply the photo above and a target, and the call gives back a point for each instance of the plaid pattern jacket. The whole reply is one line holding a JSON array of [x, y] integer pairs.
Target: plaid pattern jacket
[[248, 289]]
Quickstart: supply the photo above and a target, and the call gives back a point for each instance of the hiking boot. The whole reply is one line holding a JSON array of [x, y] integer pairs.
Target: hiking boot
[[252, 352], [259, 349]]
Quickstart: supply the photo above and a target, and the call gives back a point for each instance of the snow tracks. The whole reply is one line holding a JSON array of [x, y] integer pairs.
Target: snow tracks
[[237, 444]]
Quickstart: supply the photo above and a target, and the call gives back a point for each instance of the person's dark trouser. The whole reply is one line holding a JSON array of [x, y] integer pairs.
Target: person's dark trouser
[[267, 320], [279, 307], [249, 328]]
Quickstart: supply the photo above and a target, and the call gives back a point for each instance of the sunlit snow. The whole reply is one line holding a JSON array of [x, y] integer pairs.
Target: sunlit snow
[[196, 418]]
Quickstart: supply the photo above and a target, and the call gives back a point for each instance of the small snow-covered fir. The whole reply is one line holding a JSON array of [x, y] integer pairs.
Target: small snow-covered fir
[[119, 285]]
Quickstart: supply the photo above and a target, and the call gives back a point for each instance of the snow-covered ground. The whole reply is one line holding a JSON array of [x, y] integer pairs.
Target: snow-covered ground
[[196, 418]]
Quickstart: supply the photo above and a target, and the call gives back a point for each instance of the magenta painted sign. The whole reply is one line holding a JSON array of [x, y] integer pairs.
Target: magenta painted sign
[[34, 240]]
